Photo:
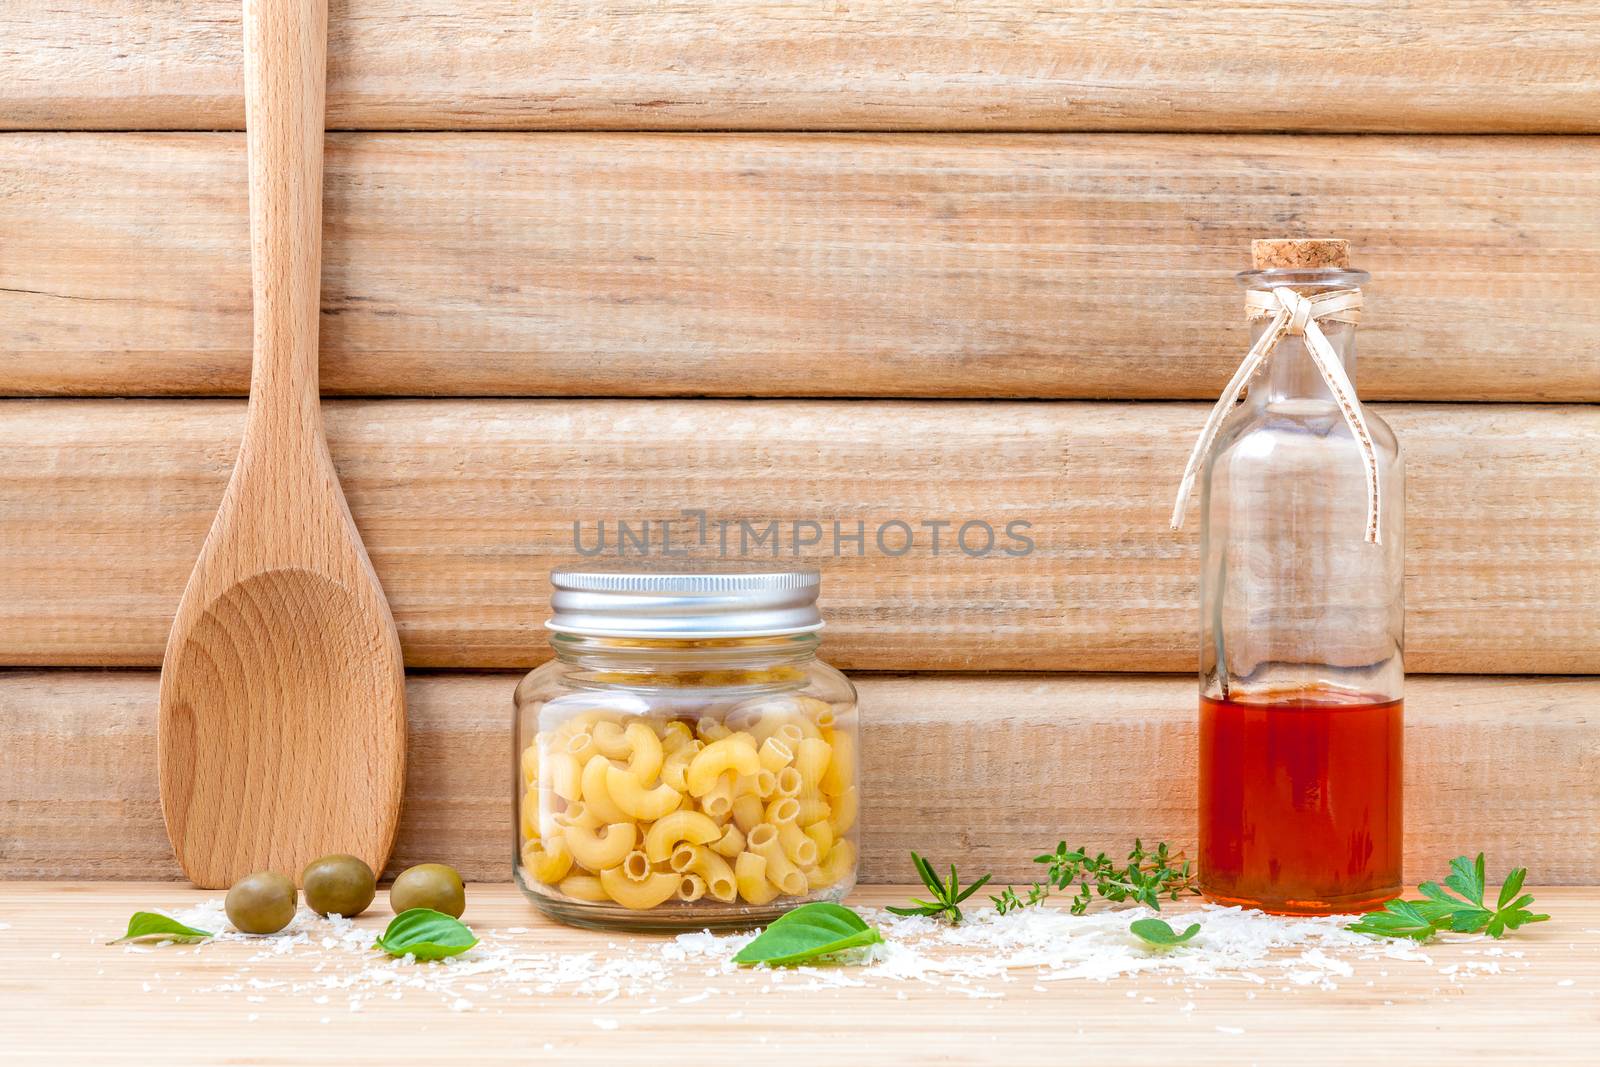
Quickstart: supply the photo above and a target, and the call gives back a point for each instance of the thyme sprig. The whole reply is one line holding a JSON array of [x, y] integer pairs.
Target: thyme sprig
[[948, 895], [1149, 876]]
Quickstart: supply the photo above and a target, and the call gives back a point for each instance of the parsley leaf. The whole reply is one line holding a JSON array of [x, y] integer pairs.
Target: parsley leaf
[[1458, 906], [1399, 918]]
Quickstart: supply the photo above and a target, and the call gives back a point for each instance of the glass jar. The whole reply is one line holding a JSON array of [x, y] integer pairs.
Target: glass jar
[[685, 760], [1301, 636]]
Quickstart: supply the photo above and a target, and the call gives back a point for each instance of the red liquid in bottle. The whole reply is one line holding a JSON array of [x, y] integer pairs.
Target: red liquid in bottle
[[1300, 801]]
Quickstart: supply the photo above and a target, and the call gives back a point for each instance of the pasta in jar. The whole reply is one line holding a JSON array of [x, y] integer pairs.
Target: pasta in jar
[[702, 777]]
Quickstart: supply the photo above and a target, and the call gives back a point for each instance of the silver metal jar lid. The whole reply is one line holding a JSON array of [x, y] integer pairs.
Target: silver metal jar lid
[[684, 604]]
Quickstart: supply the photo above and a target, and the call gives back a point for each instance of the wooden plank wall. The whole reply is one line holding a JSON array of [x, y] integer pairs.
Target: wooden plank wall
[[1467, 66], [800, 261], [1002, 767], [1029, 266], [466, 504]]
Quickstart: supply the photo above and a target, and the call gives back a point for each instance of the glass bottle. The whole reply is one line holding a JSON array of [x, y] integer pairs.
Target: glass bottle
[[685, 760], [1301, 630]]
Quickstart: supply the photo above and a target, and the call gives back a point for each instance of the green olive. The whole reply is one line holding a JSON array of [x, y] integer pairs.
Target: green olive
[[339, 885], [429, 885], [261, 903]]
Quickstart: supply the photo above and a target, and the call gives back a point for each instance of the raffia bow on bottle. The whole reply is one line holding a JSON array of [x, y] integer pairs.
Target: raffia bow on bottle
[[1294, 315]]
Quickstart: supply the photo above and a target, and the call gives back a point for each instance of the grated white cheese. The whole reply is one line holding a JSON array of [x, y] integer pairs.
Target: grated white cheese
[[977, 959]]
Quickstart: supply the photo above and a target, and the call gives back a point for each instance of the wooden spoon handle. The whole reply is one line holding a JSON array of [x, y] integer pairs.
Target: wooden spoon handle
[[285, 69]]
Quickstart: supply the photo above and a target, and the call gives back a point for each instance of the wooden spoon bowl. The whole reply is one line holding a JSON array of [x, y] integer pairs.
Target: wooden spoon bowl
[[281, 734]]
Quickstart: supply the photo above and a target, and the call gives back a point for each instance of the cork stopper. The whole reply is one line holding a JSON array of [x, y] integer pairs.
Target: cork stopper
[[1315, 253]]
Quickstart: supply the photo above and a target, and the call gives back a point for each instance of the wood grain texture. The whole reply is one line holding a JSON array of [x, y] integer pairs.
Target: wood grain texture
[[910, 265], [465, 505], [237, 1002], [282, 662], [1467, 66], [986, 770]]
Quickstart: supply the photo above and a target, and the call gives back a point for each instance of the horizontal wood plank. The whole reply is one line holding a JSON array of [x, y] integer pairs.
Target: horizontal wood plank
[[466, 504], [904, 265], [1467, 66], [986, 771]]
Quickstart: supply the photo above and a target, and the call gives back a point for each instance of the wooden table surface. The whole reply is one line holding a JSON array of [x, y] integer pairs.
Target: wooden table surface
[[66, 998]]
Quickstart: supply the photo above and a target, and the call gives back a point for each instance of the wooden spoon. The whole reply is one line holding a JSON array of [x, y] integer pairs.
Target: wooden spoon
[[282, 728]]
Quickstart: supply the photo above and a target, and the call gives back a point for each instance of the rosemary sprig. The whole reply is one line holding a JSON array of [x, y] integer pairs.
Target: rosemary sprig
[[947, 895], [1147, 878]]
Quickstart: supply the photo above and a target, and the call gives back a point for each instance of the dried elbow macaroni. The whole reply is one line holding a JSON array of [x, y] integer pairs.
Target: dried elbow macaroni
[[644, 811]]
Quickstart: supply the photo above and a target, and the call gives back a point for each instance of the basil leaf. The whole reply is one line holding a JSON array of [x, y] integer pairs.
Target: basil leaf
[[1157, 933], [807, 932], [425, 934], [153, 926]]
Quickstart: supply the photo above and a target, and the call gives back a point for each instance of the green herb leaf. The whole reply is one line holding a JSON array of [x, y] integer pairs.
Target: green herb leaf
[[1149, 877], [1008, 901], [1466, 877], [154, 926], [1462, 912], [807, 932], [1512, 886], [925, 872], [1400, 918], [426, 934], [1157, 933], [947, 895]]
